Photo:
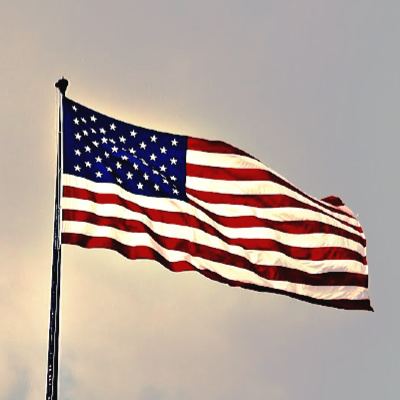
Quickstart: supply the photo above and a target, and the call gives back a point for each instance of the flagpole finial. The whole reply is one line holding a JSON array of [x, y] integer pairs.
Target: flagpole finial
[[62, 85]]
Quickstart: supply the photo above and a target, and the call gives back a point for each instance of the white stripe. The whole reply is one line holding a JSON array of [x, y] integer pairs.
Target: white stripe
[[229, 272], [257, 257], [227, 210], [223, 160], [238, 161]]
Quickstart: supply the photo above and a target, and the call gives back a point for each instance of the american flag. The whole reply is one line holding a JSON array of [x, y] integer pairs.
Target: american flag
[[200, 205]]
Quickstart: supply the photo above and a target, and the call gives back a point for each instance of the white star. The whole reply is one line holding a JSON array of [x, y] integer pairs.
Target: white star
[[140, 185], [106, 154], [154, 138], [104, 140], [85, 133], [87, 149], [95, 143], [143, 145], [87, 163], [93, 130], [108, 169], [99, 174], [156, 187], [83, 120], [119, 180], [153, 157], [102, 130], [165, 181], [77, 153], [175, 191], [78, 136], [77, 168], [144, 162], [118, 165], [163, 168], [122, 139], [146, 177], [98, 159], [114, 149], [163, 150], [93, 118], [112, 127], [124, 158], [74, 108], [174, 142], [112, 141], [131, 150], [155, 172], [173, 177], [133, 133], [76, 120], [129, 175], [174, 161], [135, 166]]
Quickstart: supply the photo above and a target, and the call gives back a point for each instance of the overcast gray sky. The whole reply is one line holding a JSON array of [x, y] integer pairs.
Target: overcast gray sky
[[311, 88]]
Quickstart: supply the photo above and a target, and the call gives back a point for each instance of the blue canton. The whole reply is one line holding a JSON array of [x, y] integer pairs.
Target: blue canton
[[141, 161]]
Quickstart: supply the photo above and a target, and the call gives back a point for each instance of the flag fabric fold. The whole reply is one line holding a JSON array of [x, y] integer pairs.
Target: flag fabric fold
[[201, 205]]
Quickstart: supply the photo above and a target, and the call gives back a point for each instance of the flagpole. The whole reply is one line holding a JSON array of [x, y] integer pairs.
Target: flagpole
[[54, 324]]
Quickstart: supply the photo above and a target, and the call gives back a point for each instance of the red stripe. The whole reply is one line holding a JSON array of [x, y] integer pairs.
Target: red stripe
[[214, 146], [292, 227], [230, 174], [141, 252], [260, 201], [299, 253], [198, 250], [335, 201]]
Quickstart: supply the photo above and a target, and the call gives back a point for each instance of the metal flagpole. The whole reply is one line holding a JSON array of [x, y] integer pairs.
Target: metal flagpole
[[54, 324]]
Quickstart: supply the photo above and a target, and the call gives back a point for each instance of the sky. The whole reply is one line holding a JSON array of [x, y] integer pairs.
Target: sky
[[311, 88]]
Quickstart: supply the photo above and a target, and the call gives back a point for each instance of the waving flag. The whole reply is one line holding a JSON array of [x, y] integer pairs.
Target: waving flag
[[206, 206]]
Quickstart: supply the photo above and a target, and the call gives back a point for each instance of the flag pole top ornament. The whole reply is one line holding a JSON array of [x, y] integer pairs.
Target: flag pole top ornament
[[62, 85]]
